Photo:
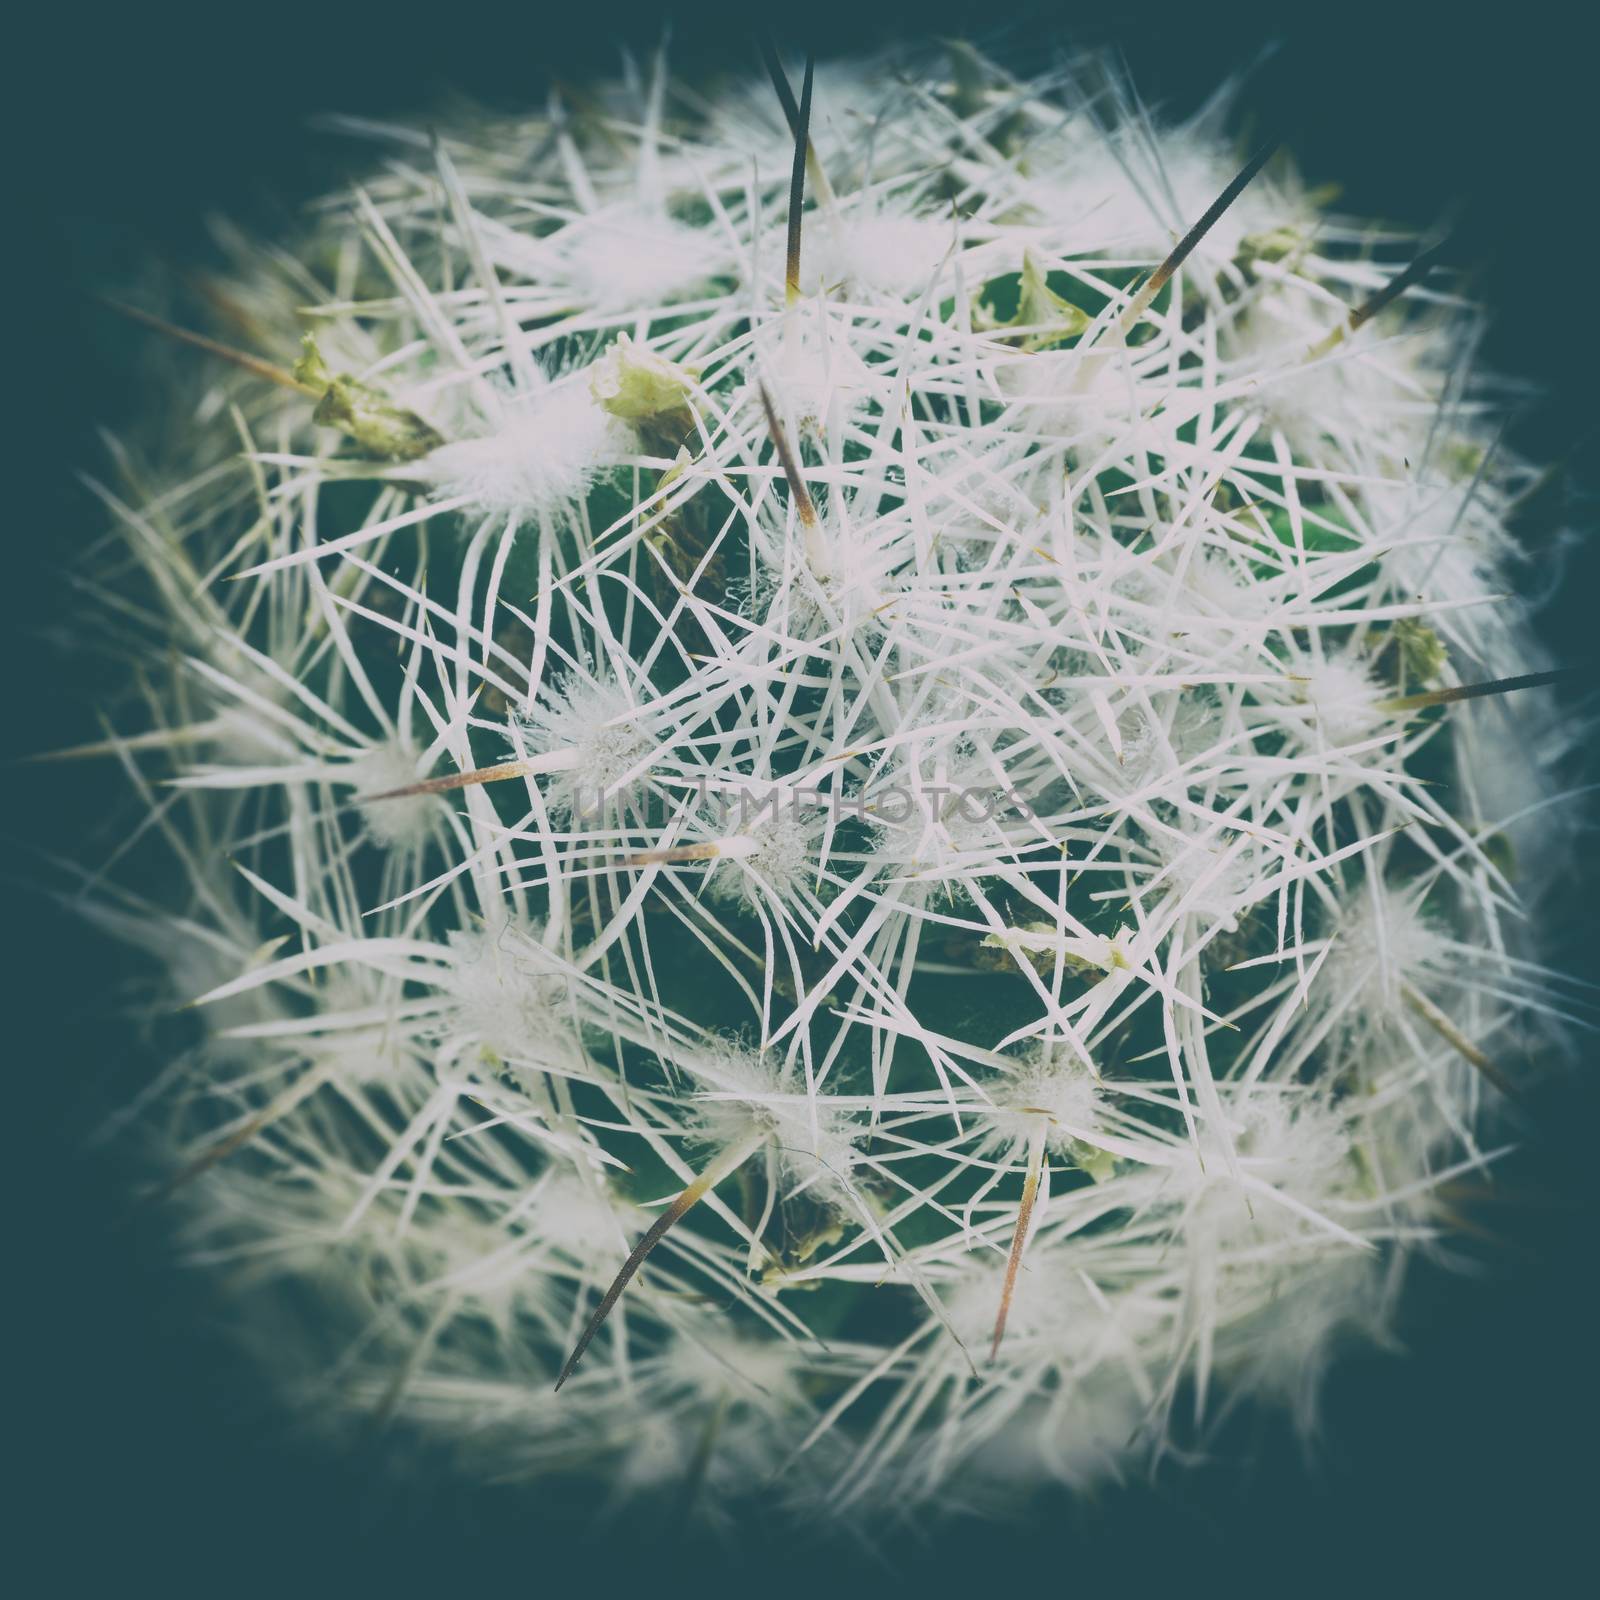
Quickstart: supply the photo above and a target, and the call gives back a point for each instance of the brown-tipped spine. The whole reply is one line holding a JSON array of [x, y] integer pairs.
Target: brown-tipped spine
[[451, 780], [708, 850], [198, 341], [791, 115], [797, 187], [1476, 691], [804, 505], [1368, 309], [308, 1081], [1019, 1239], [1452, 1035], [1395, 287], [1180, 252], [780, 82], [728, 1162]]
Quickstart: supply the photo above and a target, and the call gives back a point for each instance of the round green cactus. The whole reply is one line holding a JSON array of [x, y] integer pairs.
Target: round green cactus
[[840, 778]]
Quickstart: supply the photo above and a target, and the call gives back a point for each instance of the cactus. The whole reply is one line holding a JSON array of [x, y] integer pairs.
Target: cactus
[[838, 771]]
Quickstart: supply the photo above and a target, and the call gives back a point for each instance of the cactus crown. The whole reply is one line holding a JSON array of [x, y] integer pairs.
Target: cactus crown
[[859, 732]]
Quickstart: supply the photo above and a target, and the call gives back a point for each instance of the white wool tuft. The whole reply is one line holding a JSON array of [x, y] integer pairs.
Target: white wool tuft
[[1343, 697], [743, 1096], [593, 724], [888, 255], [406, 823], [536, 462], [1049, 1083]]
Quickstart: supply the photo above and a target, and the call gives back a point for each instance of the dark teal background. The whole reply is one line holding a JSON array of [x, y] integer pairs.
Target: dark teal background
[[149, 1461]]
